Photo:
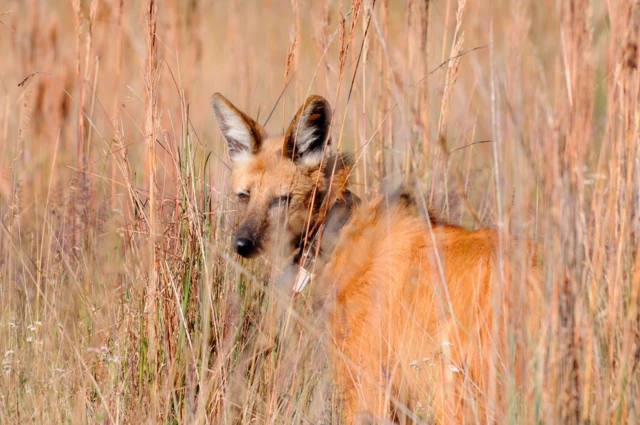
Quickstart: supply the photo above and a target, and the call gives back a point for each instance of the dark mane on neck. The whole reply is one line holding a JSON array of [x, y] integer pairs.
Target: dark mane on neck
[[336, 170], [334, 205], [407, 196]]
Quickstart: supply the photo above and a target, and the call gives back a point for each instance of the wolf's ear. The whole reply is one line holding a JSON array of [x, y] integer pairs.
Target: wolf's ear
[[243, 135], [308, 132]]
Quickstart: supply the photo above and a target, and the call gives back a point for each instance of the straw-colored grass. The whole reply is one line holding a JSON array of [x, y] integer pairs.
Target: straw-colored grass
[[121, 300]]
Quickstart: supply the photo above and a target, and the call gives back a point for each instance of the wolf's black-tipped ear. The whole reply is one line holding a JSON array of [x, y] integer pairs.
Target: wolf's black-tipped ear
[[308, 132], [243, 135]]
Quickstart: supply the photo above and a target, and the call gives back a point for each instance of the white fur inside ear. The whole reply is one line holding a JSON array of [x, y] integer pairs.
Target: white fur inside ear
[[238, 157], [307, 133], [235, 131], [311, 159]]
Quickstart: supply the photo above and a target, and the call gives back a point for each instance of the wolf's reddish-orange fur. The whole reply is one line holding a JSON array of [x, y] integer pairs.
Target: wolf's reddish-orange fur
[[408, 300], [396, 325]]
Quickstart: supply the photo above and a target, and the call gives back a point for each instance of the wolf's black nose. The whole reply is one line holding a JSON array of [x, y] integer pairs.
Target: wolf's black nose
[[244, 246]]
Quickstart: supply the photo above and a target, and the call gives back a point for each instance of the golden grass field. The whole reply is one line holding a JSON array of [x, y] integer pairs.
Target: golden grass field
[[121, 300]]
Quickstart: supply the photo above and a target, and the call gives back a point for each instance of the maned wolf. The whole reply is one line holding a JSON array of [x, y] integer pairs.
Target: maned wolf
[[408, 300]]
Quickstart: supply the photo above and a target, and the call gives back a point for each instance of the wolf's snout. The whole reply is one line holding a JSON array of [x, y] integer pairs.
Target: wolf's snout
[[245, 246]]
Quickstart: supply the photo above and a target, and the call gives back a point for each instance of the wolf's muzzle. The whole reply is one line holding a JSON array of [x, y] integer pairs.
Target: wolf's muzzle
[[245, 247]]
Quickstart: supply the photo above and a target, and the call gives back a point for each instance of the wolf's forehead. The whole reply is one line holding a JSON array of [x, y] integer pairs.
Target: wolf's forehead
[[272, 145], [262, 171]]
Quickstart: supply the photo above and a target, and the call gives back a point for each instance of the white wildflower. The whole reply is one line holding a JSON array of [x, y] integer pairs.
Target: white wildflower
[[112, 359]]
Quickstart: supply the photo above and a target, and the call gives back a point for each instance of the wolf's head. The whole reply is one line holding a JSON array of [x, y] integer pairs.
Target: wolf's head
[[281, 184]]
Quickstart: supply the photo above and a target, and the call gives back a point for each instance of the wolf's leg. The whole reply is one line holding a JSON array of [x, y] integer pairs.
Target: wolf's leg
[[365, 401]]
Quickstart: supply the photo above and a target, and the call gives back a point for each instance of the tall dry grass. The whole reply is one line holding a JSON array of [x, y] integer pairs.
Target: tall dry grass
[[120, 299]]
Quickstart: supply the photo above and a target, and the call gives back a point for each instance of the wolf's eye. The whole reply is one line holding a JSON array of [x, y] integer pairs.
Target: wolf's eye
[[280, 201], [243, 197]]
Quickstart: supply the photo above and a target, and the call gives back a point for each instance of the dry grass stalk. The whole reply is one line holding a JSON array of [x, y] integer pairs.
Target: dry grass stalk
[[152, 78]]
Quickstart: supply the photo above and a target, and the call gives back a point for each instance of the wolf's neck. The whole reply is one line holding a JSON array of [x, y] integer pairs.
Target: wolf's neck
[[315, 250]]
